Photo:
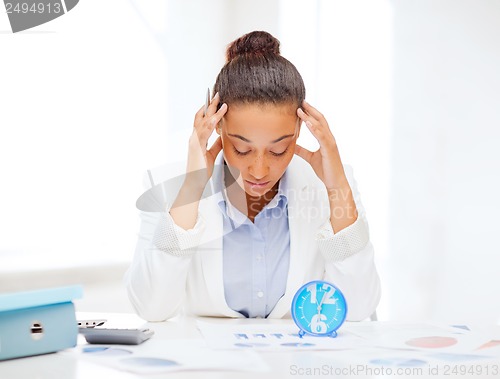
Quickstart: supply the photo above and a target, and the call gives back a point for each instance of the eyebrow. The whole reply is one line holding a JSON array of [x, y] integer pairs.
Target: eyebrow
[[247, 140]]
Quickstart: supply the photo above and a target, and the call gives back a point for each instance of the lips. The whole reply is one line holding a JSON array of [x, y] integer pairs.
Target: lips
[[261, 184]]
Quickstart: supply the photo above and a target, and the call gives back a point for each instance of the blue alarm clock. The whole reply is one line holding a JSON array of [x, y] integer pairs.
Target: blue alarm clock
[[319, 309]]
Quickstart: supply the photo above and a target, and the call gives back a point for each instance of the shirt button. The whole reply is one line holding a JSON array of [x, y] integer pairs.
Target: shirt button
[[260, 294]]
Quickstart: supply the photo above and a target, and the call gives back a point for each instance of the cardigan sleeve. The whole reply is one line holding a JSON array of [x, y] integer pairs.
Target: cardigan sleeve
[[157, 277], [341, 245], [350, 240], [349, 260], [174, 240]]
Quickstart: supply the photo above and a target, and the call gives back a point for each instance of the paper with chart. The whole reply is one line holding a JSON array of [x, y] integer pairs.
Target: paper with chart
[[415, 345], [272, 336], [157, 356], [434, 340], [426, 337]]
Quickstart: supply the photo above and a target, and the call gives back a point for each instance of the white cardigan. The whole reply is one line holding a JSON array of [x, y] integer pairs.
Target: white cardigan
[[174, 269]]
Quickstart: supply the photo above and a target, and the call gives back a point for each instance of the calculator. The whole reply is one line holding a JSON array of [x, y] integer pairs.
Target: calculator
[[116, 336]]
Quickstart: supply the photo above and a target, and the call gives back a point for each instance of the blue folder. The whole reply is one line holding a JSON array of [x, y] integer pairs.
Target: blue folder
[[38, 322]]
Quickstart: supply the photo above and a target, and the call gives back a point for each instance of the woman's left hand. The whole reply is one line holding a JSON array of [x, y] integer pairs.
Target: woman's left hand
[[325, 161]]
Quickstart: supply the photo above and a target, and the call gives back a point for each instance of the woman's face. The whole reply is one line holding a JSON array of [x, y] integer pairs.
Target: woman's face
[[259, 142]]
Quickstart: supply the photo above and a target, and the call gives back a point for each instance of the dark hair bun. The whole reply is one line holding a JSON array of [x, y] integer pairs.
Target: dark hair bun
[[254, 43]]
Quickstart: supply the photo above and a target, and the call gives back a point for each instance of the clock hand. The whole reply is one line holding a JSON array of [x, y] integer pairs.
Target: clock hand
[[321, 302], [320, 306]]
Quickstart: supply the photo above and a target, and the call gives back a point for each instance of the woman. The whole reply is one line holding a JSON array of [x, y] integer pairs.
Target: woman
[[256, 215]]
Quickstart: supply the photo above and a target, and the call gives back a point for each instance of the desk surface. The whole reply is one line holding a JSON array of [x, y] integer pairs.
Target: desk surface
[[289, 364]]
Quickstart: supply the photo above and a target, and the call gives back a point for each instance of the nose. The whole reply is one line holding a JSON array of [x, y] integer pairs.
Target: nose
[[259, 169]]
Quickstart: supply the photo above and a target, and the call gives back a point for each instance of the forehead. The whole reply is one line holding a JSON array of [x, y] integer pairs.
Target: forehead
[[254, 121]]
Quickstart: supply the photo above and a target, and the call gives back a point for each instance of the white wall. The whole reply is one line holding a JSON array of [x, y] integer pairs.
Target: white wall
[[444, 228], [194, 42], [410, 89], [80, 99]]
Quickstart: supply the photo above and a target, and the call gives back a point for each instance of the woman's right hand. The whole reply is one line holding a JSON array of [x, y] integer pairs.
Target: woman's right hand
[[200, 163]]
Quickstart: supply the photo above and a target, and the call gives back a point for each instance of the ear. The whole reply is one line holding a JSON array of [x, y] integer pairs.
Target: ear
[[218, 127]]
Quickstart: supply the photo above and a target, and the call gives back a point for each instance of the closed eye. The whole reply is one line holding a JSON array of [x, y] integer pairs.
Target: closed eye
[[240, 152], [278, 154], [246, 152]]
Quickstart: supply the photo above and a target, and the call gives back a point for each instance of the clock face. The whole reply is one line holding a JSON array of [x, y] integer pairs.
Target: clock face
[[319, 308]]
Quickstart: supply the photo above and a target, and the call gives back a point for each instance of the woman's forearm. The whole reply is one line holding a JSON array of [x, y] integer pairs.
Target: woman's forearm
[[343, 210], [184, 210]]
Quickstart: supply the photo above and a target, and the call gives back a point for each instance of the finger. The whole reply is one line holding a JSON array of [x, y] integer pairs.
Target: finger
[[303, 153], [210, 110], [319, 129], [213, 105], [305, 116], [199, 115], [221, 112], [217, 117], [208, 124], [312, 111], [312, 124]]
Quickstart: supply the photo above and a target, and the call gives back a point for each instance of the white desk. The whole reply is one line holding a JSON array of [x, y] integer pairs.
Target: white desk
[[67, 365]]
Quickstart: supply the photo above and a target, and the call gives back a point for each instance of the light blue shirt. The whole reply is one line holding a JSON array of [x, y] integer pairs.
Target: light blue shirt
[[256, 255]]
